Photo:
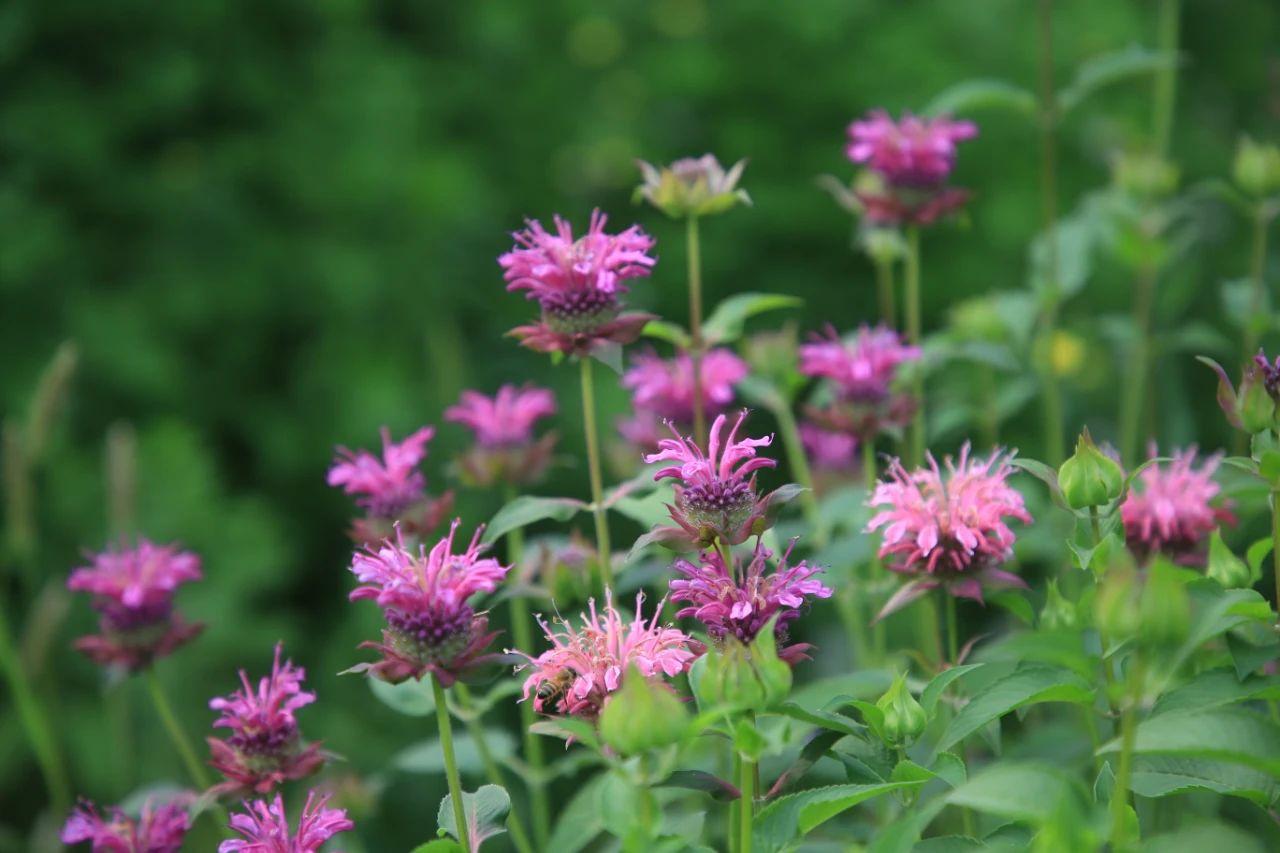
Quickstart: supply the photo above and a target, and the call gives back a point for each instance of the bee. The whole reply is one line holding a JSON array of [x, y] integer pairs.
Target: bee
[[553, 690]]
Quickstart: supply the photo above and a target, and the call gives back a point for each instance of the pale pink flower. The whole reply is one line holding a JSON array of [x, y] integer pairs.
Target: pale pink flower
[[385, 486], [505, 448], [1173, 514], [158, 829], [585, 664], [133, 591], [864, 367], [265, 746], [739, 601], [666, 387], [265, 827], [425, 597], [951, 530], [912, 151]]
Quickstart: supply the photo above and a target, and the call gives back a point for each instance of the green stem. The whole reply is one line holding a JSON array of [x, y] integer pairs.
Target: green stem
[[1093, 523], [603, 552], [747, 812], [884, 287], [450, 762], [952, 629], [990, 414], [1124, 771], [34, 720], [912, 298], [735, 806], [695, 325], [799, 464], [1257, 270], [1131, 406], [1275, 551], [177, 734], [519, 836], [1165, 91], [870, 476]]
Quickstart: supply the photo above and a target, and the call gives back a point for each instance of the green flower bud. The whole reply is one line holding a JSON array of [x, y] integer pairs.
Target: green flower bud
[[1115, 607], [1257, 168], [1164, 612], [1090, 478], [1058, 613], [904, 717], [1254, 404], [641, 715], [1226, 568], [694, 186], [1144, 174], [744, 677]]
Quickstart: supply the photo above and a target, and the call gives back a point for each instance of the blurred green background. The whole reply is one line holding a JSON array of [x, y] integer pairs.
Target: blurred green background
[[271, 227]]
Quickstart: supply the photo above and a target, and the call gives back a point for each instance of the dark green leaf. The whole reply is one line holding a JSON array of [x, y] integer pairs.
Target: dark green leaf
[[1023, 791], [484, 810], [726, 322], [1225, 733], [795, 815], [1027, 685], [526, 510]]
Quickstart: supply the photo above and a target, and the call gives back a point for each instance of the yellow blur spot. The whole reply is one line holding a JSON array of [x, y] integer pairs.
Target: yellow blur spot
[[595, 42], [1066, 353]]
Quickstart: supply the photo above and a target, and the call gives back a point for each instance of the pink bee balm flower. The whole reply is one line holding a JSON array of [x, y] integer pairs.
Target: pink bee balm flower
[[266, 829], [425, 597], [716, 497], [158, 829], [666, 387], [828, 450], [133, 591], [1172, 514], [948, 531], [584, 665], [388, 485], [862, 368], [913, 151], [265, 747], [739, 601], [505, 449], [577, 283]]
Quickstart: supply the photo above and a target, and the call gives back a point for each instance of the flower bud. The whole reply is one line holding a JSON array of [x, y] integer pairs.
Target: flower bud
[[1226, 568], [904, 717], [745, 677], [1115, 608], [1165, 609], [1145, 175], [1090, 478], [642, 715], [1058, 613], [1257, 168], [694, 186], [1254, 404]]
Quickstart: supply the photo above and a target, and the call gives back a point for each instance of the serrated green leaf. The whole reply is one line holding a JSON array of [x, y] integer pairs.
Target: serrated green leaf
[[939, 683], [1027, 685], [1198, 838], [1230, 734], [1217, 687], [484, 810], [1168, 775], [795, 815], [528, 509], [727, 321], [1023, 791], [412, 698]]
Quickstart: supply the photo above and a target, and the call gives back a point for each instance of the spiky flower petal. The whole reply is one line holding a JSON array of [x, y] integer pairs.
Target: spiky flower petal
[[1172, 513], [265, 827]]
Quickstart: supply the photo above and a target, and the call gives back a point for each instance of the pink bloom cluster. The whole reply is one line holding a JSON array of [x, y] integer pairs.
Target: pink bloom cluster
[[950, 530], [716, 497], [431, 625], [663, 389], [828, 450], [265, 827], [265, 746], [584, 665], [863, 372], [390, 488], [577, 282], [158, 829], [505, 448], [1173, 513], [738, 601], [133, 591]]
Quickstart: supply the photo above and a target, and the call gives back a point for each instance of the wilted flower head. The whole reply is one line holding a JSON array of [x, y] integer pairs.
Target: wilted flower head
[[666, 387], [265, 827], [950, 530], [133, 590], [739, 601], [1172, 513], [431, 625], [265, 747], [585, 664], [716, 496], [862, 367], [577, 283], [158, 829], [505, 448], [692, 186], [391, 488]]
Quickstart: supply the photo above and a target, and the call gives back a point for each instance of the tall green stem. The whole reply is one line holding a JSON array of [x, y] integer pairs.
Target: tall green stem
[[1124, 770], [1275, 547], [884, 287], [1050, 392], [1257, 271], [953, 646], [177, 734], [912, 297], [34, 720], [519, 836], [1165, 90], [870, 475], [1131, 407], [450, 762], [603, 552], [799, 464], [695, 325], [747, 810]]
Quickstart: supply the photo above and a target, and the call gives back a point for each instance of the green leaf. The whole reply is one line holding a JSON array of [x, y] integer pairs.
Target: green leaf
[[700, 780], [1231, 734], [821, 693], [1101, 71], [1215, 611], [440, 845], [1205, 836], [412, 698], [580, 821], [969, 96], [726, 322], [669, 332], [568, 728], [795, 815], [939, 683], [1022, 791], [1257, 552], [821, 719], [483, 809], [1044, 474], [427, 757], [526, 510], [902, 835], [1214, 688], [1167, 775], [1027, 685]]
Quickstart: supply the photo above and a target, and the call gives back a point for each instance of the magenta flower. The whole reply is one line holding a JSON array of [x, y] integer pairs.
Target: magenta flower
[[158, 829], [584, 665], [862, 368], [133, 591], [739, 601], [265, 827], [265, 747], [505, 448], [666, 388], [391, 488], [948, 531], [577, 283], [1173, 514], [716, 497], [425, 597], [828, 450]]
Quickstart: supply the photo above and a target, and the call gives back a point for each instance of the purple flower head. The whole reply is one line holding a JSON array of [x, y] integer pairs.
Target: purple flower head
[[828, 450], [577, 282], [910, 152], [386, 486], [716, 497], [666, 387], [951, 530], [158, 829], [505, 448], [1173, 513], [739, 601], [265, 747], [133, 590], [862, 368], [431, 625], [585, 664], [265, 827]]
